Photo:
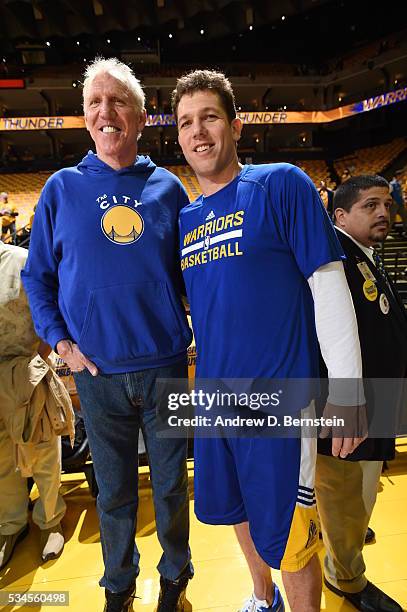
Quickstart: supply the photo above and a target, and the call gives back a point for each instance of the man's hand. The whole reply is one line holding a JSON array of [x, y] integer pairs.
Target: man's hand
[[73, 357], [345, 438]]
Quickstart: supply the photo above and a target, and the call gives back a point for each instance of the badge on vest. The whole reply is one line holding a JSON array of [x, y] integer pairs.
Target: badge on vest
[[384, 304], [370, 290], [366, 271]]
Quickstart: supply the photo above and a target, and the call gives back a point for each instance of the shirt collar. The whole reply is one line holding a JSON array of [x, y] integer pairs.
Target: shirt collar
[[368, 251]]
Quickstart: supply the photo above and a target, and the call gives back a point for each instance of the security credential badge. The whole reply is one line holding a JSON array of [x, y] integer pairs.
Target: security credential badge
[[366, 271]]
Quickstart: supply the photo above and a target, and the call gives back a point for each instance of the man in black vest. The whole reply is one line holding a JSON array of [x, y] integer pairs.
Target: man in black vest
[[346, 489]]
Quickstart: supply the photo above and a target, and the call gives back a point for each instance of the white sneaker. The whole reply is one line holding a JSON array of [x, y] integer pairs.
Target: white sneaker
[[260, 605], [52, 542]]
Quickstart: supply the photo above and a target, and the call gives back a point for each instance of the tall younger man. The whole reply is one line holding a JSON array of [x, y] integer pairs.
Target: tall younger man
[[264, 276]]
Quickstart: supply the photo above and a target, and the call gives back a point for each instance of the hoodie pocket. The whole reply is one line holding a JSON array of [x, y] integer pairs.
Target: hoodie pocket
[[127, 322]]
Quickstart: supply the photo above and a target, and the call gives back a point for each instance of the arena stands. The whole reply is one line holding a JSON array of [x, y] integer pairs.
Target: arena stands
[[188, 179], [318, 170], [24, 188], [372, 160]]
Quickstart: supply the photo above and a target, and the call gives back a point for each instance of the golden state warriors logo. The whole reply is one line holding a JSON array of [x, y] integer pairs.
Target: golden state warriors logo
[[122, 224]]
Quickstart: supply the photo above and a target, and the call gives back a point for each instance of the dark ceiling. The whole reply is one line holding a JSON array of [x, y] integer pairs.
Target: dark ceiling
[[195, 30]]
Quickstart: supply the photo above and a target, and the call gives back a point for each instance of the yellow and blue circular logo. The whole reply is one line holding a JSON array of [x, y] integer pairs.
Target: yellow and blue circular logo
[[370, 290], [122, 224]]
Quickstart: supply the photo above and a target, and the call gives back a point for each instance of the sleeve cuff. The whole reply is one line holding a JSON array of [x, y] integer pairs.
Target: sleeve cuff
[[61, 333]]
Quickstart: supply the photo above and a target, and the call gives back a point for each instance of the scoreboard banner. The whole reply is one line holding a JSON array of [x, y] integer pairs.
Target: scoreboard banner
[[21, 124], [17, 124], [267, 117]]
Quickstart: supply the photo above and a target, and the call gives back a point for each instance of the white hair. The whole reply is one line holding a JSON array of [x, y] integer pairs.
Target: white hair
[[119, 71]]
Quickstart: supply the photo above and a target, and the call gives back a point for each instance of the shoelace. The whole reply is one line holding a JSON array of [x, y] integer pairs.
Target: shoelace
[[252, 606]]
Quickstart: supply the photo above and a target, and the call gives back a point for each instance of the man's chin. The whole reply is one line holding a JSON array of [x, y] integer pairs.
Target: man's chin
[[379, 236]]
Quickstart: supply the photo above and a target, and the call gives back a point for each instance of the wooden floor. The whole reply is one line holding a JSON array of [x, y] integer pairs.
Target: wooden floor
[[221, 579]]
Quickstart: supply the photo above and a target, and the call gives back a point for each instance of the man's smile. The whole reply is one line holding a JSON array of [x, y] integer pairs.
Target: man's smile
[[109, 129]]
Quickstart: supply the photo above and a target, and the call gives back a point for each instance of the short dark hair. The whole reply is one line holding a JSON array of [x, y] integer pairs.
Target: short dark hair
[[347, 193], [205, 80], [398, 172]]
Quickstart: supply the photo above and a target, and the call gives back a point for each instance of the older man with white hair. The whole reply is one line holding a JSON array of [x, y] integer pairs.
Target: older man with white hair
[[103, 284]]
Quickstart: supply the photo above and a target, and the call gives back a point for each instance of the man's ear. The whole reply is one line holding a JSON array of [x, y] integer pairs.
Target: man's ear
[[340, 217], [237, 126], [86, 121], [142, 121]]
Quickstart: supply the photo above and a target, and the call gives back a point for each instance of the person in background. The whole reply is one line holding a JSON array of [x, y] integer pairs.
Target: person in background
[[8, 214], [346, 488], [25, 380], [345, 176], [327, 197], [398, 208]]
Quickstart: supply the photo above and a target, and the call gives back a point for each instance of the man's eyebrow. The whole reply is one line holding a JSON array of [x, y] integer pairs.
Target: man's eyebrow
[[202, 110], [376, 199]]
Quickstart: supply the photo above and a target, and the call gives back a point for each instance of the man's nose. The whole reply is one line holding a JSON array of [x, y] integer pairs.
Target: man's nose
[[198, 128], [383, 211], [106, 108]]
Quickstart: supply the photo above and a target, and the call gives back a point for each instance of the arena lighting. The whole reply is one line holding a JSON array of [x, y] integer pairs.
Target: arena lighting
[[48, 43], [169, 35], [250, 28], [38, 16], [97, 8], [108, 41], [139, 38], [78, 43], [12, 83], [202, 31], [282, 17]]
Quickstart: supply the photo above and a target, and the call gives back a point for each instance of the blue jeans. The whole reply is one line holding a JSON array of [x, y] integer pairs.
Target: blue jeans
[[115, 407]]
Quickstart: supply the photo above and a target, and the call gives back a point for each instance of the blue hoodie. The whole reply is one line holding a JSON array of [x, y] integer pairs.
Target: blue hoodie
[[103, 268]]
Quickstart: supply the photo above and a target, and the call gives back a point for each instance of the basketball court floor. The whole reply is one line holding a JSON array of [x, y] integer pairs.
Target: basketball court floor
[[221, 581]]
